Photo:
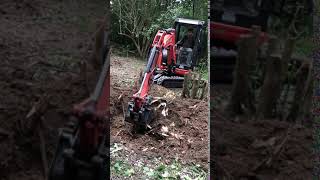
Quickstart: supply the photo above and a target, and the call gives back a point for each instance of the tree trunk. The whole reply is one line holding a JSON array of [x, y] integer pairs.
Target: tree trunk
[[303, 87], [195, 85], [185, 91], [286, 56], [240, 94], [271, 88], [204, 91]]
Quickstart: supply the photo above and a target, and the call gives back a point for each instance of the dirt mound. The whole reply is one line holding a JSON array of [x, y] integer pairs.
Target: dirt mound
[[260, 149], [182, 134], [40, 46]]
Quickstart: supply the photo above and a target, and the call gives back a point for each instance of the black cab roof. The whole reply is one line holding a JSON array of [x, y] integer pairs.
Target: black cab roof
[[190, 21]]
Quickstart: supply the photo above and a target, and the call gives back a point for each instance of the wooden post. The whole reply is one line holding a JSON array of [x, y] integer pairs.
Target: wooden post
[[195, 85], [303, 87], [240, 94], [185, 90], [204, 90], [270, 91], [307, 104], [286, 57]]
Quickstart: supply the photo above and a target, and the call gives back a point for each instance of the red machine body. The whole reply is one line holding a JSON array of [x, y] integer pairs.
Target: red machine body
[[82, 151], [92, 129], [166, 63], [231, 34], [164, 39]]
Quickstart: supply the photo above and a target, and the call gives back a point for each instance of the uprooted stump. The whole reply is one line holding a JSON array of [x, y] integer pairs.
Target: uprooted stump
[[194, 87]]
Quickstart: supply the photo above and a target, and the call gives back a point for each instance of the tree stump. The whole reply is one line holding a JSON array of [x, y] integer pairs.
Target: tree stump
[[302, 91], [185, 89], [286, 56], [306, 116], [204, 92], [195, 85], [271, 88], [240, 94]]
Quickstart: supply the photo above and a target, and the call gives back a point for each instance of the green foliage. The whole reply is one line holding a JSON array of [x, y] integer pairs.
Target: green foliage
[[122, 168], [203, 68], [295, 21], [135, 22], [175, 171]]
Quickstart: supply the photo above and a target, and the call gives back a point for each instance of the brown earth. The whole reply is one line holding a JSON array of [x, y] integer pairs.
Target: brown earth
[[41, 44], [187, 120], [240, 146]]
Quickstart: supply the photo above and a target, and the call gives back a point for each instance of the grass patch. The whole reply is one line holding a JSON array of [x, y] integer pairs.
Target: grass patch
[[203, 69], [175, 170], [122, 168], [305, 46], [127, 165]]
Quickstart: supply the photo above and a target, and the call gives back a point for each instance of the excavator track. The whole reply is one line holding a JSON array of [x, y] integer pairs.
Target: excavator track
[[170, 81]]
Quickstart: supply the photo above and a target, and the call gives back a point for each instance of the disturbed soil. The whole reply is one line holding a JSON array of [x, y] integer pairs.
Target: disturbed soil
[[186, 137], [41, 44], [241, 147]]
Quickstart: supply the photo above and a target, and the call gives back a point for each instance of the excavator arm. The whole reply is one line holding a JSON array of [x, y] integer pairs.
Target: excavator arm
[[139, 111], [82, 150]]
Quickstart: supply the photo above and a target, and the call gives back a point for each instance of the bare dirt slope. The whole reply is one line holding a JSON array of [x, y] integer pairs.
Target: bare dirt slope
[[240, 146], [41, 43], [187, 121]]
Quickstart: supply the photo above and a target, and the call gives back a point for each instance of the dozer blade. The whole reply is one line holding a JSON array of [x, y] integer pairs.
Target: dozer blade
[[170, 81]]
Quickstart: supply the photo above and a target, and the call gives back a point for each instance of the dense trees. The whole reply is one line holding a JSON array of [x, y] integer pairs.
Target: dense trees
[[135, 22]]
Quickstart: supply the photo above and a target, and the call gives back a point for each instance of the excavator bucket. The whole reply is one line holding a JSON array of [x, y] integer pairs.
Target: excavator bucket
[[141, 119]]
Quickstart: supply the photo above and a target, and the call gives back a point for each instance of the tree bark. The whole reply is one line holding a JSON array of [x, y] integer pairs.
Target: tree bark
[[185, 91], [286, 56], [303, 88], [204, 91], [240, 94], [195, 85], [271, 88]]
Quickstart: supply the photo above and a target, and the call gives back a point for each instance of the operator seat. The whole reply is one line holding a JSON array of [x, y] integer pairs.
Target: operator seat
[[185, 58]]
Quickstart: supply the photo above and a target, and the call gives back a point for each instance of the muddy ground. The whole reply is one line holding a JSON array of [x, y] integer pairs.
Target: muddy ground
[[41, 44], [187, 120], [240, 146]]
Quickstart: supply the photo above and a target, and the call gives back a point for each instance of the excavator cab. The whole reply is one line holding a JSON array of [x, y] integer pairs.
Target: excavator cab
[[189, 36]]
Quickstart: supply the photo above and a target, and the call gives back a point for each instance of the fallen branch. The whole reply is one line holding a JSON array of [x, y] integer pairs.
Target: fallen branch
[[195, 109], [268, 161], [118, 133], [35, 113], [43, 150]]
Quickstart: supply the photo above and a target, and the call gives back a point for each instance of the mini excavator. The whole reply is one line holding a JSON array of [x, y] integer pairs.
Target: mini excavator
[[168, 62]]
